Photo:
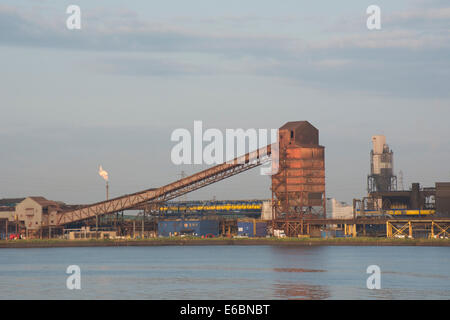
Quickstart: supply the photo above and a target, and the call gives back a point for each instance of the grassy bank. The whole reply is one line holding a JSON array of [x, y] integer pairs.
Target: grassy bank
[[360, 241]]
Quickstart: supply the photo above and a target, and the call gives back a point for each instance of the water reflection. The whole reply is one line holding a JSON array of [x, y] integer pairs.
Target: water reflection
[[300, 291], [418, 275], [226, 272], [300, 270]]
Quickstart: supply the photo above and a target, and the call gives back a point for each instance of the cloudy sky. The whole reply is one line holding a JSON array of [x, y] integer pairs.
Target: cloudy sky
[[113, 92]]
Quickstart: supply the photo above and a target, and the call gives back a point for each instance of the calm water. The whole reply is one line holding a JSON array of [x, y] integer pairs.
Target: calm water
[[226, 272]]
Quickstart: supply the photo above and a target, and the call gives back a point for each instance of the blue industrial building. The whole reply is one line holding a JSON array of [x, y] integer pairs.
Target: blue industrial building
[[252, 228], [198, 228]]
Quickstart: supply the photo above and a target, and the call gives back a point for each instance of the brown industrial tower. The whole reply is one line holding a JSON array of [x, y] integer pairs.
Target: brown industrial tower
[[298, 189]]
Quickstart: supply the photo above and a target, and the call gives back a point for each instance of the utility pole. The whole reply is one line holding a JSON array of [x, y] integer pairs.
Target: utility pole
[[143, 222], [182, 175]]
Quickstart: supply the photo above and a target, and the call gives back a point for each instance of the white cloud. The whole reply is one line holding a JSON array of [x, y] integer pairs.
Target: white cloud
[[420, 14], [398, 58], [332, 63]]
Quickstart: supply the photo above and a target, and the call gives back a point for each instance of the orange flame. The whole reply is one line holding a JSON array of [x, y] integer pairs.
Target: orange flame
[[103, 173]]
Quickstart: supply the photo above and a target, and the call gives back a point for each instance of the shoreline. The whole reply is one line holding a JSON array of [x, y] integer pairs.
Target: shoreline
[[292, 242]]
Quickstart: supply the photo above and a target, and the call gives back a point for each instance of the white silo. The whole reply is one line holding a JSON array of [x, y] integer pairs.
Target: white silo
[[381, 178]]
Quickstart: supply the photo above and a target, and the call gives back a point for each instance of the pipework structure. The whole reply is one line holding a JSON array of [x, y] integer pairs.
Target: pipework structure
[[381, 177]]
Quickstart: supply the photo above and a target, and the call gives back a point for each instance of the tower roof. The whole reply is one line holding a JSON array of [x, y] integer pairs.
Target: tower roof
[[301, 133]]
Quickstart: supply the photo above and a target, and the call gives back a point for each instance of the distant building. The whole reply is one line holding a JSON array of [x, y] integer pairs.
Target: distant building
[[338, 210], [416, 201], [7, 208], [10, 202], [381, 178], [7, 213], [37, 212]]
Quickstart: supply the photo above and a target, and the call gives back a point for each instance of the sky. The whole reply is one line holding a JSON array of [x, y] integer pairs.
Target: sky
[[112, 92]]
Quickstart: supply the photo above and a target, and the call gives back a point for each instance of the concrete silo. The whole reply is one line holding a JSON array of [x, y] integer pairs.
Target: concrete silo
[[381, 177]]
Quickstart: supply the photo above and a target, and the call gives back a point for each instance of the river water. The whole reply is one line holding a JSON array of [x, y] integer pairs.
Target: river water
[[226, 272]]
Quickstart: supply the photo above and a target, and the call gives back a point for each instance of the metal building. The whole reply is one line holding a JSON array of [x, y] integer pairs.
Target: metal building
[[443, 198], [381, 178], [252, 228], [298, 188], [417, 198]]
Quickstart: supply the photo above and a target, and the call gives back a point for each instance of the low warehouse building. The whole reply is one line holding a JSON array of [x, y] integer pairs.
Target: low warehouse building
[[252, 228], [37, 212], [7, 213], [198, 228]]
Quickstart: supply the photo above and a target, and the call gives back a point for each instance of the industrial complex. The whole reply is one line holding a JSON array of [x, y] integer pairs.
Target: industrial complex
[[298, 206]]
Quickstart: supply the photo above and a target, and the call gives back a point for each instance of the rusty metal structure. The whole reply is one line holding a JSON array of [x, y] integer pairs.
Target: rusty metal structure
[[298, 189], [170, 191]]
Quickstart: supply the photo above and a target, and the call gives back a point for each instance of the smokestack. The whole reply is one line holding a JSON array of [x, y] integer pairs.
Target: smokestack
[[415, 196], [104, 175]]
